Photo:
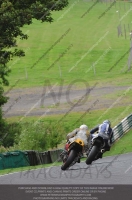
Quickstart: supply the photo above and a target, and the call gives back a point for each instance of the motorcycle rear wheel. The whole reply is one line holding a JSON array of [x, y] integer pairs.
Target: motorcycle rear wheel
[[91, 157], [70, 159]]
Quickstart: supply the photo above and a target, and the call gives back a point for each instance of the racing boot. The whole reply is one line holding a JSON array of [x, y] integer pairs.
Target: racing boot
[[79, 157]]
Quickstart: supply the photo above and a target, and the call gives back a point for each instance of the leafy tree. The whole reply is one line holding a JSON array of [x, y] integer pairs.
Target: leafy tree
[[40, 136], [3, 125], [33, 137], [56, 134], [11, 130], [14, 14]]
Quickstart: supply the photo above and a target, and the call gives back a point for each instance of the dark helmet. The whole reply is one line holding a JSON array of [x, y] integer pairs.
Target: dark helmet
[[107, 122]]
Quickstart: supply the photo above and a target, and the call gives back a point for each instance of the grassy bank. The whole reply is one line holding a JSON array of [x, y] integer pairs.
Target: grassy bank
[[72, 120], [77, 40], [121, 146]]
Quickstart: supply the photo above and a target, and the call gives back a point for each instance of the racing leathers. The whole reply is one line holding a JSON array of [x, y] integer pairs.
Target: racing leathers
[[106, 131], [77, 133]]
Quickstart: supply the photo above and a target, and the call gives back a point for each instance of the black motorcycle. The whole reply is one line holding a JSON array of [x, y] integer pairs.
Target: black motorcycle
[[97, 147]]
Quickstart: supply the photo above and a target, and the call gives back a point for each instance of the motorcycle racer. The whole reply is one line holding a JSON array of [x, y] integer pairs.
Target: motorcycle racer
[[81, 132], [107, 132]]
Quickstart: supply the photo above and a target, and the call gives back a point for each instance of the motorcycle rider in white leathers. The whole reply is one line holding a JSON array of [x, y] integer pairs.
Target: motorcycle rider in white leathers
[[82, 133]]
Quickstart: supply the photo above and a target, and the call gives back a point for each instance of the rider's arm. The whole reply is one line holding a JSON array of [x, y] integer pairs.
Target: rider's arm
[[95, 129], [88, 134], [72, 134]]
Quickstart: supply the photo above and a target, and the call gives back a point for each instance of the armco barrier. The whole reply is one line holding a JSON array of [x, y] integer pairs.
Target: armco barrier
[[59, 151], [13, 160], [45, 157], [41, 155], [33, 158], [38, 158], [55, 155], [124, 126]]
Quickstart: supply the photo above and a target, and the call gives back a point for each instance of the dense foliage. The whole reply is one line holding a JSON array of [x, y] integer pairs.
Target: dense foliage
[[33, 136], [13, 16]]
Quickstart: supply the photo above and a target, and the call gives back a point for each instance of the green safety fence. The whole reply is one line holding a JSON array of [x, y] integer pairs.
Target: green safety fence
[[14, 159]]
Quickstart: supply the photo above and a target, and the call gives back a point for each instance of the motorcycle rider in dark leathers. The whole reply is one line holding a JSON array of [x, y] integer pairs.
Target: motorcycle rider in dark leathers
[[107, 131]]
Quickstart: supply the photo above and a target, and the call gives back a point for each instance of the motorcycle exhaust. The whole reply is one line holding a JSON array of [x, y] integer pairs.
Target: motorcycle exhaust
[[102, 150]]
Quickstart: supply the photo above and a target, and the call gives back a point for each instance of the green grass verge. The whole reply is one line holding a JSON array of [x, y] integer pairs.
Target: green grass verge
[[72, 43], [20, 169], [121, 146], [72, 120]]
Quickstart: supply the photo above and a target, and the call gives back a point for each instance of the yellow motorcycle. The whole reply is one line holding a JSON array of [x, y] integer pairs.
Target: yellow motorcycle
[[73, 154]]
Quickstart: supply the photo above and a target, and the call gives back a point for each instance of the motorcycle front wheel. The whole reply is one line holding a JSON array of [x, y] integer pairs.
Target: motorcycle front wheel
[[91, 157], [70, 159]]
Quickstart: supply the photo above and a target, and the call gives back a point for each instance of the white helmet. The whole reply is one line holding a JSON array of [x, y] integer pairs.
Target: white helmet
[[84, 127]]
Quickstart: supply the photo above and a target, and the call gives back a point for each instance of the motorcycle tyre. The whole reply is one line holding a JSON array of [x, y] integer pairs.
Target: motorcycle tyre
[[70, 159], [91, 157]]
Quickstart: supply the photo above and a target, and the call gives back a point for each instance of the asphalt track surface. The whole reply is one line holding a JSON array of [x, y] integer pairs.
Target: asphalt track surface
[[109, 170]]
